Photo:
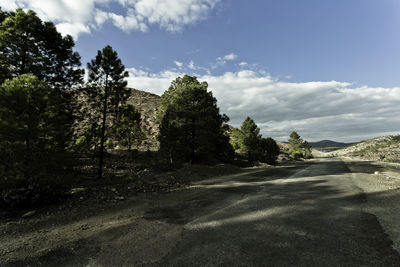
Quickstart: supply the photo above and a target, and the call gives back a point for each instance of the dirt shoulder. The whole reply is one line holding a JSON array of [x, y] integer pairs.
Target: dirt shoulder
[[94, 210], [381, 183]]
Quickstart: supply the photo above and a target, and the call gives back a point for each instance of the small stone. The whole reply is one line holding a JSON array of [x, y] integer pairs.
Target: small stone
[[377, 173], [29, 214], [77, 190]]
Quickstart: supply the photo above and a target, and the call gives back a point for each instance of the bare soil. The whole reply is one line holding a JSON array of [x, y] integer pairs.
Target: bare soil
[[92, 210]]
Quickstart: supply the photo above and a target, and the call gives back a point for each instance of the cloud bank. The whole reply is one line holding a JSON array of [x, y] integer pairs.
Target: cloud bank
[[317, 110], [76, 17]]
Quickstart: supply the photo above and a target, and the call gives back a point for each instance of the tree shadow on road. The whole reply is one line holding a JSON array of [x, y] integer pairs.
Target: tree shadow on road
[[257, 218]]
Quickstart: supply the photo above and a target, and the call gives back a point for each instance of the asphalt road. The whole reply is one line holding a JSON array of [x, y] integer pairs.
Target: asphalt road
[[301, 214], [307, 215]]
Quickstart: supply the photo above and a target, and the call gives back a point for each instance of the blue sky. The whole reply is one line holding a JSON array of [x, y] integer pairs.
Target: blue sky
[[355, 41], [326, 68]]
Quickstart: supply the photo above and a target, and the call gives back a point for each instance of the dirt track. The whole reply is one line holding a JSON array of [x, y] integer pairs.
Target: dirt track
[[317, 213]]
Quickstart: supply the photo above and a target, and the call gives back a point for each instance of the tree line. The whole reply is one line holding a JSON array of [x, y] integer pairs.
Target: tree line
[[49, 114]]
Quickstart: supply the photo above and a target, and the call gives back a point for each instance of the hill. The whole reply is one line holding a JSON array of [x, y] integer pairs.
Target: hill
[[386, 148], [329, 144], [148, 105]]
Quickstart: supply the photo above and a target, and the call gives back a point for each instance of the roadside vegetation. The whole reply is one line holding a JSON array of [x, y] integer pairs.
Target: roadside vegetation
[[249, 143], [57, 130], [298, 148]]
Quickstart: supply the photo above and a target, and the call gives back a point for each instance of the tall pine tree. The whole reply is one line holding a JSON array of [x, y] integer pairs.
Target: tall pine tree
[[29, 157], [30, 46], [106, 89]]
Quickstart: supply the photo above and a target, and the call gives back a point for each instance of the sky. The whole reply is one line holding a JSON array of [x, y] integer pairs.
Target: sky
[[328, 69]]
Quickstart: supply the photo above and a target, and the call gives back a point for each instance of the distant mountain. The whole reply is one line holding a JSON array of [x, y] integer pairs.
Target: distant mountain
[[328, 143]]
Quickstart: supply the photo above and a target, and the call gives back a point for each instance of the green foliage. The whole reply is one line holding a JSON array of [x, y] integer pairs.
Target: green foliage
[[295, 142], [191, 127], [307, 150], [30, 154], [106, 85], [299, 149], [80, 141], [128, 130], [235, 139], [108, 144], [296, 155], [248, 140], [250, 134], [3, 15], [295, 145], [37, 69], [28, 45], [269, 150]]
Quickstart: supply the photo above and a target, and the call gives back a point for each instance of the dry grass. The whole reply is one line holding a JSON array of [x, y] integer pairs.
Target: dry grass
[[386, 148]]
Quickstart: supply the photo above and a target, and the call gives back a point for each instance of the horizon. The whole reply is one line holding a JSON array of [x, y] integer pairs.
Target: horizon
[[326, 70]]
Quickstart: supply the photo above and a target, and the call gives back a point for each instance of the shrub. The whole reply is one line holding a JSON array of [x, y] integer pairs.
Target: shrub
[[296, 155]]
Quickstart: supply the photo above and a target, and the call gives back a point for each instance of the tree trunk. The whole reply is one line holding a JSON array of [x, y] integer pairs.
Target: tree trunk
[[193, 139], [103, 130], [28, 142]]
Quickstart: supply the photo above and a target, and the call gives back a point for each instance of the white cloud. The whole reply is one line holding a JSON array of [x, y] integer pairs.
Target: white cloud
[[155, 83], [71, 17], [191, 65], [82, 16], [221, 61], [179, 64], [172, 15], [243, 64], [73, 29], [100, 17], [127, 23], [228, 57], [317, 110], [8, 5]]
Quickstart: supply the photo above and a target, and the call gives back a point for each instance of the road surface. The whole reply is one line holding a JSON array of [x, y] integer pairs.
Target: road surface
[[302, 214]]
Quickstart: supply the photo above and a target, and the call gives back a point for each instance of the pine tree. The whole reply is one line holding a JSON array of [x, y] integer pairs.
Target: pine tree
[[270, 150], [128, 130], [247, 139], [106, 85], [191, 125], [295, 143], [28, 45], [307, 150], [29, 153], [3, 15]]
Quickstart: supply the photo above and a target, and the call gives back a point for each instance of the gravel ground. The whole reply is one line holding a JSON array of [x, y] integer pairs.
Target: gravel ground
[[381, 184]]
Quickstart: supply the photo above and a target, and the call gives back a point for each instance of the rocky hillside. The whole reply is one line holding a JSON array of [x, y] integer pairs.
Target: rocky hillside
[[386, 148], [148, 105]]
